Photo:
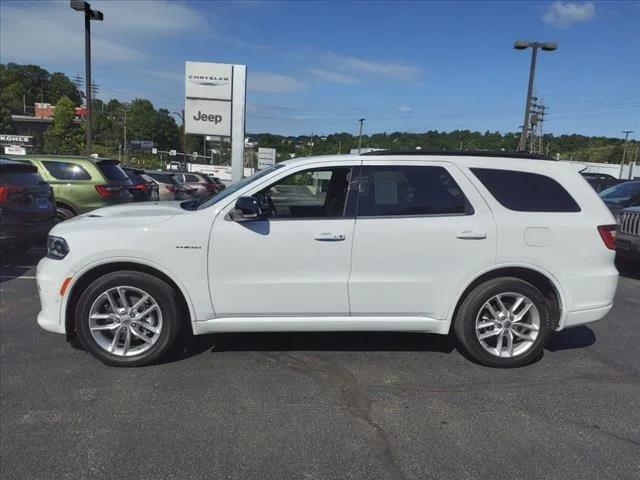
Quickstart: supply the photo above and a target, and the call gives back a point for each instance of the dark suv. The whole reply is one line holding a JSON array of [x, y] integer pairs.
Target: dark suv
[[27, 208]]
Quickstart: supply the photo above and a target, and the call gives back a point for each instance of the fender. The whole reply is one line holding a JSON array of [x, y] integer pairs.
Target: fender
[[78, 273], [552, 278]]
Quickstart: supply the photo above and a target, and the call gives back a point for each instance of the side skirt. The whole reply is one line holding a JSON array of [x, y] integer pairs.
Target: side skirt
[[321, 324]]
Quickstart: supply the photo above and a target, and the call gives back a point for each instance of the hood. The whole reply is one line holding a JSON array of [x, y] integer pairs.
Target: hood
[[129, 215]]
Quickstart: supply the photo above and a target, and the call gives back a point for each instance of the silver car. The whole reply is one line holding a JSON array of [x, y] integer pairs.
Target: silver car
[[168, 186]]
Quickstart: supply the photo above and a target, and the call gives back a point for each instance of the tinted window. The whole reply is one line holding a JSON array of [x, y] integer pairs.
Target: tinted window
[[410, 190], [136, 178], [66, 171], [112, 171], [191, 178], [622, 194], [20, 177], [526, 192], [318, 193]]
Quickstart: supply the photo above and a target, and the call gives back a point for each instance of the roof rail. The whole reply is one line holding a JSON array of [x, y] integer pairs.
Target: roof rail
[[464, 153]]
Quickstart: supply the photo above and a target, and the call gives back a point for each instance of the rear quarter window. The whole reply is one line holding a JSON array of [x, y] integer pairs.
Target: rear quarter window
[[66, 170], [526, 191], [112, 171]]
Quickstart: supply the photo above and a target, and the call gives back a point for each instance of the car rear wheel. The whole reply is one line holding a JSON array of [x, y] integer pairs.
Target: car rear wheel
[[64, 213], [128, 318], [504, 322]]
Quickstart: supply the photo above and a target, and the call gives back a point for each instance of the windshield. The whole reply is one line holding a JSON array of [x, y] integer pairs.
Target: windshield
[[237, 186], [621, 193]]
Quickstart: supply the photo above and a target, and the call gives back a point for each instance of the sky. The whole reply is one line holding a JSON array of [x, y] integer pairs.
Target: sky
[[320, 66]]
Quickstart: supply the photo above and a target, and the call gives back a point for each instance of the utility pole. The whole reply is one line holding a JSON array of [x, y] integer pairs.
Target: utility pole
[[124, 136], [311, 145], [522, 45], [624, 149], [360, 137]]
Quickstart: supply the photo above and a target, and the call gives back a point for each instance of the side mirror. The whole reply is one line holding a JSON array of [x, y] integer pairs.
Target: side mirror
[[247, 208]]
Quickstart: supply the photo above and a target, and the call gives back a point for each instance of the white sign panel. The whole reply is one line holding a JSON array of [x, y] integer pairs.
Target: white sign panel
[[208, 80], [14, 150], [207, 117], [16, 139], [266, 157]]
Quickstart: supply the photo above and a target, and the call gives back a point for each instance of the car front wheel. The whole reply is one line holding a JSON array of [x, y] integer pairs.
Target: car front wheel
[[127, 318], [504, 322]]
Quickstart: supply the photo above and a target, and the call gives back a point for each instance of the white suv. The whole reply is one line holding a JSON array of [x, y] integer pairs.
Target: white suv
[[501, 249]]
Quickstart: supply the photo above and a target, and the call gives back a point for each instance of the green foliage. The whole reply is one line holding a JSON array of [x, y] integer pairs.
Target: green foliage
[[31, 84], [64, 136], [5, 120]]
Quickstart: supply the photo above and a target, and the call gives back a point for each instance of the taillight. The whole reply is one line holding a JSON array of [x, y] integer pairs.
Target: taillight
[[107, 190], [211, 186], [171, 188], [5, 190], [139, 186], [608, 234]]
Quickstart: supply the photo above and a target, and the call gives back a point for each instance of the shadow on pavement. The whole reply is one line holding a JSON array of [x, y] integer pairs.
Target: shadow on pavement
[[578, 337], [14, 265], [191, 345]]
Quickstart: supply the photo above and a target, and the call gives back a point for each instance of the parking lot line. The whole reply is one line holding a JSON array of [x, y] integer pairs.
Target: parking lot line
[[22, 277]]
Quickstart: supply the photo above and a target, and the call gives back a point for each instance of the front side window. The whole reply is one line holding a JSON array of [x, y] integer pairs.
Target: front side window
[[410, 190], [66, 171], [525, 191], [318, 193]]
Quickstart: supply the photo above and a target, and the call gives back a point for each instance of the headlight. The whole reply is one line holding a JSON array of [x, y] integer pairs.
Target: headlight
[[57, 247]]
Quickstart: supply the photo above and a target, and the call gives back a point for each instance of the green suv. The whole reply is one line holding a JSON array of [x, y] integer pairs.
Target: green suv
[[81, 184]]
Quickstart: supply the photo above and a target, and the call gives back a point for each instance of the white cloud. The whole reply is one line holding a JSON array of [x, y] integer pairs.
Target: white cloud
[[397, 71], [565, 14], [273, 83], [334, 77], [50, 32], [405, 109]]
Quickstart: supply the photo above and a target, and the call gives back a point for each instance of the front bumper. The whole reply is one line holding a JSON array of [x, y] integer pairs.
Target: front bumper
[[50, 275], [628, 246]]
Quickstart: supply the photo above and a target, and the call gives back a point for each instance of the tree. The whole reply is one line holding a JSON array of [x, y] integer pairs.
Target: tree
[[5, 120], [59, 85], [64, 136]]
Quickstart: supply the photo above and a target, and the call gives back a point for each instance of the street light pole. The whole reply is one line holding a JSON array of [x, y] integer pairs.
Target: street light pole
[[184, 140], [85, 7], [522, 45], [360, 138]]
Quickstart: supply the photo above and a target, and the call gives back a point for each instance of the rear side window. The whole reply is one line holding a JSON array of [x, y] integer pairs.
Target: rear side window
[[191, 178], [20, 177], [112, 171], [525, 191], [66, 171], [410, 190], [163, 178]]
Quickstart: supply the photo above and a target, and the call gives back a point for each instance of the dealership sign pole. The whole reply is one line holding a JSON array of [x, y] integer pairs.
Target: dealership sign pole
[[214, 104]]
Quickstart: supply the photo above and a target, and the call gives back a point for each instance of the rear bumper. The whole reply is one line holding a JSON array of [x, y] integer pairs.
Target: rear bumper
[[12, 232], [581, 317]]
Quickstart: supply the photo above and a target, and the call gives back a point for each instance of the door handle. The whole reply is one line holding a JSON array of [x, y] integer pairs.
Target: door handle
[[471, 235], [329, 237]]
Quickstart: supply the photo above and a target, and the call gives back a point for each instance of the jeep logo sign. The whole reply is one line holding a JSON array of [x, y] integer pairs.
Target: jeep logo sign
[[208, 117]]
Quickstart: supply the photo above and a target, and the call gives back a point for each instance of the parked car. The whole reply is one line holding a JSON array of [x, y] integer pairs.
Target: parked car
[[202, 183], [81, 184], [621, 196], [218, 182], [628, 236], [601, 181], [27, 208], [502, 249], [143, 189], [168, 186]]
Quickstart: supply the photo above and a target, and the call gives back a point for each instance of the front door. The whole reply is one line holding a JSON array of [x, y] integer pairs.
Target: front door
[[422, 230], [295, 259]]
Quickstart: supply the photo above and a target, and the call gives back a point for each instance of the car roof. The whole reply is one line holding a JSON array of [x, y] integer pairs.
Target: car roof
[[68, 157], [444, 155], [6, 162]]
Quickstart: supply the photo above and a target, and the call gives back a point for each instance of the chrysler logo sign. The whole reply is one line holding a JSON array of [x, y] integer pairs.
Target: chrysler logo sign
[[208, 80]]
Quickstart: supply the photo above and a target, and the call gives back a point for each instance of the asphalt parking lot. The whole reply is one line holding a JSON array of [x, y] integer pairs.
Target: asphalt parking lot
[[317, 406]]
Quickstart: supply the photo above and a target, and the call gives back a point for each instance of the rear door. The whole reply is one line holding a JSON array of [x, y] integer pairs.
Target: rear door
[[421, 231]]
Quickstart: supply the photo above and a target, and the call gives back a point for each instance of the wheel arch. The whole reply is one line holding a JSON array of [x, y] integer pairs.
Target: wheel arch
[[543, 281], [93, 272]]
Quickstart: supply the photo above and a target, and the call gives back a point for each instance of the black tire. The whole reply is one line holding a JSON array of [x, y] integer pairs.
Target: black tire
[[465, 322], [64, 213], [164, 295]]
